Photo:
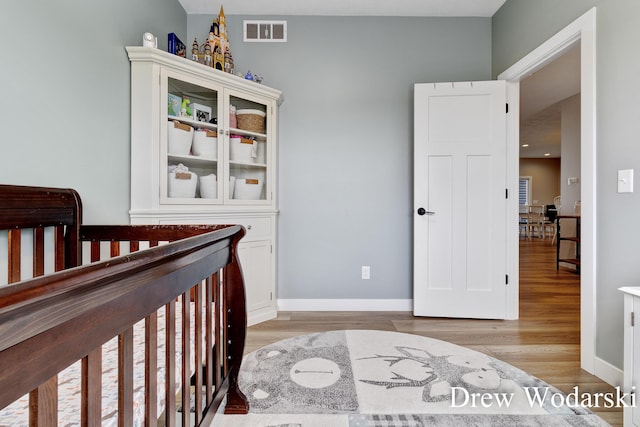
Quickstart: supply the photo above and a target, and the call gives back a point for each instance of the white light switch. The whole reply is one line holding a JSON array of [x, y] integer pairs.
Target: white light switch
[[625, 181]]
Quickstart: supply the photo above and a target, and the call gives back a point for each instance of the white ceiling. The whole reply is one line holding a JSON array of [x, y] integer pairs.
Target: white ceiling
[[541, 96], [485, 8]]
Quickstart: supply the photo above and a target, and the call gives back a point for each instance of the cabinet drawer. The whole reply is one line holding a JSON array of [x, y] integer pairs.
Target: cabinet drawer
[[256, 227]]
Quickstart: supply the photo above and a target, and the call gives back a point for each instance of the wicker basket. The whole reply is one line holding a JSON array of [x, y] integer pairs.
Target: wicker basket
[[251, 120]]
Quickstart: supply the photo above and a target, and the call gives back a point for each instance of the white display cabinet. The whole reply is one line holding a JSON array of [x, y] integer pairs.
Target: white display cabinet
[[211, 160], [631, 354]]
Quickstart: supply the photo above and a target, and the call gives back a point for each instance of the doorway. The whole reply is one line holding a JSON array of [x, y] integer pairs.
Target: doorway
[[550, 153], [582, 32]]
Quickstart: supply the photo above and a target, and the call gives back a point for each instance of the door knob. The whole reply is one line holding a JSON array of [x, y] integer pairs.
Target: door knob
[[423, 211]]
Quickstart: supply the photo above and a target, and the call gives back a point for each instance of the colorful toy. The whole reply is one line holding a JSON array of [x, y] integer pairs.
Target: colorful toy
[[195, 55], [186, 110], [219, 43]]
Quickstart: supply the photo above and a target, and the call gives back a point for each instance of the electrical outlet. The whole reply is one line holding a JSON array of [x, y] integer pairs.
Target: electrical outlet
[[366, 272]]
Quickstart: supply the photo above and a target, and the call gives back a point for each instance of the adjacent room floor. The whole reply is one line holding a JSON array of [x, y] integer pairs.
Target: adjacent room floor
[[545, 341]]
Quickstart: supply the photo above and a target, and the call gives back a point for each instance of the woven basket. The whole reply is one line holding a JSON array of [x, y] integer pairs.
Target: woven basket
[[251, 120]]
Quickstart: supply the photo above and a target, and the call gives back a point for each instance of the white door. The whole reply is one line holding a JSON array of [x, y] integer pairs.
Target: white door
[[460, 200]]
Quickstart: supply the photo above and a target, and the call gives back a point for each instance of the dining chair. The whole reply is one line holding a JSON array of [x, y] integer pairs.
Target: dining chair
[[536, 220], [549, 225]]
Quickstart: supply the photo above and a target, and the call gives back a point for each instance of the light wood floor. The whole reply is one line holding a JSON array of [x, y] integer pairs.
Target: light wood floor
[[545, 341]]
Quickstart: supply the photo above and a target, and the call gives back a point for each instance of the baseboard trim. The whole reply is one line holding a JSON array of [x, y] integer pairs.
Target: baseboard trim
[[608, 373], [261, 316], [345, 304]]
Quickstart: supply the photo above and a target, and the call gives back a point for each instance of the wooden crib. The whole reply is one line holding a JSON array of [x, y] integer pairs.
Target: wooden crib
[[62, 300]]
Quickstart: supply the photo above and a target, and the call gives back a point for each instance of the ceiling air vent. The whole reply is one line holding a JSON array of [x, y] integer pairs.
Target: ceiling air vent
[[265, 31]]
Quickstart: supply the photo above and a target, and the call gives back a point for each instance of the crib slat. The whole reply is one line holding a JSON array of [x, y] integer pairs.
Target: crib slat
[[170, 363], [115, 249], [198, 352], [43, 404], [209, 340], [125, 378], [38, 251], [59, 262], [218, 357], [186, 357], [91, 389], [43, 401], [13, 241], [151, 369], [95, 251]]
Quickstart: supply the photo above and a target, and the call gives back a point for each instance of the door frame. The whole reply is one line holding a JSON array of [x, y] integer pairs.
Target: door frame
[[583, 31]]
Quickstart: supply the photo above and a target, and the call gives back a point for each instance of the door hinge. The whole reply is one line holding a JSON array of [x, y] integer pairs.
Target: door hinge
[[270, 296], [633, 319], [507, 110], [506, 193], [506, 279]]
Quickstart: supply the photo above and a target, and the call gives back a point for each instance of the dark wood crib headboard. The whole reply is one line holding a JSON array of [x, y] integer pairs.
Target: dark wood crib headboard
[[54, 319], [36, 208]]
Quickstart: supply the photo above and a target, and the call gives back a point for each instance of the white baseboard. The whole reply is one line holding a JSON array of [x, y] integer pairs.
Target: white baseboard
[[260, 316], [608, 373], [345, 304]]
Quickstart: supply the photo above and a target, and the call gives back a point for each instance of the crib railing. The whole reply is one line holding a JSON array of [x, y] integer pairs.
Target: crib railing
[[54, 319]]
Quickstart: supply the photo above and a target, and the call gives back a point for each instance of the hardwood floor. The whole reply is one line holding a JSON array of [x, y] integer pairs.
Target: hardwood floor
[[545, 341]]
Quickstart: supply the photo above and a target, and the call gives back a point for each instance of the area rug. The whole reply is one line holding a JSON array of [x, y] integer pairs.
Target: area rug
[[388, 379]]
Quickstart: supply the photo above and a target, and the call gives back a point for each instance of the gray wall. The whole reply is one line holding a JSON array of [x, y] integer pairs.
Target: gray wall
[[570, 154], [64, 79], [522, 25], [346, 138]]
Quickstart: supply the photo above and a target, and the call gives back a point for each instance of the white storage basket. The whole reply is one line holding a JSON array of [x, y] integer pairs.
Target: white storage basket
[[182, 184], [232, 186], [208, 186], [205, 144], [261, 152], [179, 138], [248, 189], [242, 149]]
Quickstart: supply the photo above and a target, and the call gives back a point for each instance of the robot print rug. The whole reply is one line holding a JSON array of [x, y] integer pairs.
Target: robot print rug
[[388, 379]]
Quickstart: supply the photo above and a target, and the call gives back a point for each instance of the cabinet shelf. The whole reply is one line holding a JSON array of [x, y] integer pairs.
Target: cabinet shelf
[[192, 160], [241, 132], [248, 165], [194, 123]]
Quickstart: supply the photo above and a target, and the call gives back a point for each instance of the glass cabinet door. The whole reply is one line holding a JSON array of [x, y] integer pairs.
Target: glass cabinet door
[[249, 152], [190, 152]]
